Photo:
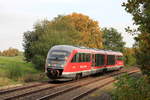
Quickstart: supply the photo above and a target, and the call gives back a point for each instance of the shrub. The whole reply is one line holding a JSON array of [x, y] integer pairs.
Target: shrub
[[131, 88], [38, 61]]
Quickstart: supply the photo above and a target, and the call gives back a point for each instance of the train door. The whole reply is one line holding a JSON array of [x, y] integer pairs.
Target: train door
[[93, 70], [93, 60]]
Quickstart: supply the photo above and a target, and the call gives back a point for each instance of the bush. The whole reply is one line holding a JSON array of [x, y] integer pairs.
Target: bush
[[38, 61], [131, 88]]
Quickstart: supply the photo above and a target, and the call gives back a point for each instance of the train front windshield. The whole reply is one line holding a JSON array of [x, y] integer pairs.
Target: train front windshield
[[57, 58]]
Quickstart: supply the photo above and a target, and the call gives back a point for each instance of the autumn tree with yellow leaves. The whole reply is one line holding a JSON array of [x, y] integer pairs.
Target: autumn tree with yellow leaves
[[91, 36], [10, 52]]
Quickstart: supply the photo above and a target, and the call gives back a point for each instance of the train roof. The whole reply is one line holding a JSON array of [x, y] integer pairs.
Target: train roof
[[70, 48]]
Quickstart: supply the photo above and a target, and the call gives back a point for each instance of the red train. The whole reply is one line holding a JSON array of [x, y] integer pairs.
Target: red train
[[65, 61]]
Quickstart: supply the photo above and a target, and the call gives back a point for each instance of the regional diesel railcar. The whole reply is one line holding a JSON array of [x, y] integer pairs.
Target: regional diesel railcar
[[65, 61]]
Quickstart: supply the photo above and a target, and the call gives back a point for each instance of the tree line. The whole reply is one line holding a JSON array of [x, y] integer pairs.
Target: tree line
[[11, 52], [73, 29]]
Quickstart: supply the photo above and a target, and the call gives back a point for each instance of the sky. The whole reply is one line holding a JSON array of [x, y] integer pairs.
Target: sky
[[19, 16]]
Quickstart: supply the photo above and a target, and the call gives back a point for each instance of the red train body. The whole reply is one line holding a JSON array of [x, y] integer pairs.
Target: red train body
[[64, 61]]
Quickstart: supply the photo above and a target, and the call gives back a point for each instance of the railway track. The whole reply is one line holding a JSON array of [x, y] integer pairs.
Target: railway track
[[9, 94], [53, 91], [3, 91], [24, 91], [85, 89], [96, 88]]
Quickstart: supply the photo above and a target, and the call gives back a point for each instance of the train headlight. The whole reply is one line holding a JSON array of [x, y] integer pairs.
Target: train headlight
[[49, 64], [62, 65]]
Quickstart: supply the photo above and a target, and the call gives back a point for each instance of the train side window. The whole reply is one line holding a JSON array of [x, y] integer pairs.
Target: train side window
[[84, 57], [81, 57], [102, 60], [87, 57], [99, 59], [93, 60], [75, 58], [110, 59]]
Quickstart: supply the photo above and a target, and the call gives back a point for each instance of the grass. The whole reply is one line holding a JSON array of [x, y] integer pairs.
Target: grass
[[15, 70]]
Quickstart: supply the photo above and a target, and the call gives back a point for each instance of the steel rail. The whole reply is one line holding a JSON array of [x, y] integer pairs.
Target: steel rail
[[75, 87]]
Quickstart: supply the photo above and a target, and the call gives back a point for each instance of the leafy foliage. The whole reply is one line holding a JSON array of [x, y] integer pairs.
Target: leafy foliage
[[73, 29], [91, 36], [10, 52], [113, 39], [140, 10], [129, 56], [45, 35], [131, 88]]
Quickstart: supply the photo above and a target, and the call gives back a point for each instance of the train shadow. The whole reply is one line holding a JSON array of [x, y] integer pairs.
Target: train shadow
[[58, 81]]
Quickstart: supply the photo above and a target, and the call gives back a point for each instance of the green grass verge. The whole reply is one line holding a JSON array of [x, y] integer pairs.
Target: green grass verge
[[15, 70]]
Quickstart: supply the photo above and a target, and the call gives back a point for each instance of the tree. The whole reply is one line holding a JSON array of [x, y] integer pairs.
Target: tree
[[140, 10], [73, 29], [129, 56], [112, 39], [45, 35], [91, 36]]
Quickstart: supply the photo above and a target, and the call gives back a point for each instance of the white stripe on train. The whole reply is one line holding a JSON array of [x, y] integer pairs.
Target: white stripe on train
[[93, 70]]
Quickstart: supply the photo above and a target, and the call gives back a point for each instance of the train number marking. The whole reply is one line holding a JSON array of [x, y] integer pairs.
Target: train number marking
[[84, 66]]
